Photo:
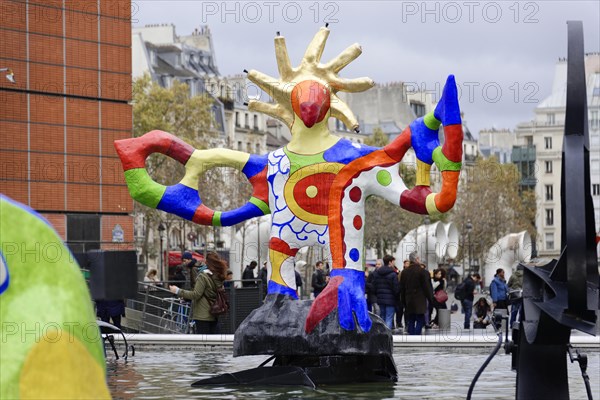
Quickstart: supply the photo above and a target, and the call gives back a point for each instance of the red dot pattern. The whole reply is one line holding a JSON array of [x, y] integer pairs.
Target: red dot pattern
[[357, 222], [355, 194]]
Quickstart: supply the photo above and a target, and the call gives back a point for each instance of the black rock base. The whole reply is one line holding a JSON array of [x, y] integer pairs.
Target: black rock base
[[277, 327], [327, 355], [312, 372]]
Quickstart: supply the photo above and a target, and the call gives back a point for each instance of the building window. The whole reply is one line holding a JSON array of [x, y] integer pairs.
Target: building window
[[596, 189], [549, 217], [257, 148], [548, 142], [418, 109], [175, 238], [83, 232], [239, 145], [594, 122], [550, 119], [255, 122], [548, 167], [246, 121], [237, 118], [549, 241], [549, 193]]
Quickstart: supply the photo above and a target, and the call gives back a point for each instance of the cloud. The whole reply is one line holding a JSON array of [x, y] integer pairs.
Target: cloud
[[512, 46]]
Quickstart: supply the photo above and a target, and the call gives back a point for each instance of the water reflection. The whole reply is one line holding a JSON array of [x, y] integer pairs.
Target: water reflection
[[422, 374]]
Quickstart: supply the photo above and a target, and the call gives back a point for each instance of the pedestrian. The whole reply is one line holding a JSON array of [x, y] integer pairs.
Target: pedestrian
[[151, 280], [429, 308], [298, 283], [387, 289], [179, 278], [248, 277], [398, 308], [439, 285], [416, 290], [400, 314], [515, 293], [481, 314], [108, 310], [467, 303], [372, 305], [189, 264], [204, 293], [262, 275], [499, 291], [319, 280], [229, 280]]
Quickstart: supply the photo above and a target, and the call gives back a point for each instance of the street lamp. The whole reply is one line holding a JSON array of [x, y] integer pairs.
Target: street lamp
[[469, 228], [426, 222], [161, 235], [258, 239]]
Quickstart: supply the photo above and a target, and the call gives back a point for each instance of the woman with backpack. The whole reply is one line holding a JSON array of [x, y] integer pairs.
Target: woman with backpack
[[204, 293]]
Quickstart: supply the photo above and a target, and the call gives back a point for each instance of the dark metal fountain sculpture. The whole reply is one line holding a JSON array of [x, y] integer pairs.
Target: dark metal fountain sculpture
[[563, 294]]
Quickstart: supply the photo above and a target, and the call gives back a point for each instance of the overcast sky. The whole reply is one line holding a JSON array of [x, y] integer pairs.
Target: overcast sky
[[502, 53]]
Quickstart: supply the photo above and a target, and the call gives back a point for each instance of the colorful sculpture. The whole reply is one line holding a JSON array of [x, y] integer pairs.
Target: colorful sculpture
[[316, 186], [51, 344]]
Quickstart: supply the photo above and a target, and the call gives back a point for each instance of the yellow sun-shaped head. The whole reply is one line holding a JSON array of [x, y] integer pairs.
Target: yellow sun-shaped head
[[309, 90]]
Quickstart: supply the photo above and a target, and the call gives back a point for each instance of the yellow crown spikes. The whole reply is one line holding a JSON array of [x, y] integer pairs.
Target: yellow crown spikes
[[310, 69]]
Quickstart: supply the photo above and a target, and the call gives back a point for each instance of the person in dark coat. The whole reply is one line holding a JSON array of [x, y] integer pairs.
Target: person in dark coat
[[467, 302], [416, 290], [387, 288], [248, 278], [298, 283], [319, 280], [263, 274], [370, 289], [108, 310], [179, 277]]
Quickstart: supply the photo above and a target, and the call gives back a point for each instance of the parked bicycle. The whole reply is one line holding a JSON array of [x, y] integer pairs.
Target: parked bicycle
[[176, 318]]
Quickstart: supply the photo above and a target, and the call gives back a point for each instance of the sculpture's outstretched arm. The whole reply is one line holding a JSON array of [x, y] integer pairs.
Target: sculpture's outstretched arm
[[183, 198], [447, 157]]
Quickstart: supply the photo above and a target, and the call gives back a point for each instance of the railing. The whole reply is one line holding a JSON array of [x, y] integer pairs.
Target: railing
[[156, 310]]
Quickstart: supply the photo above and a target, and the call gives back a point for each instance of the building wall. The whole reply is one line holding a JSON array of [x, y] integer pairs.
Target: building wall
[[546, 132], [72, 65], [498, 143]]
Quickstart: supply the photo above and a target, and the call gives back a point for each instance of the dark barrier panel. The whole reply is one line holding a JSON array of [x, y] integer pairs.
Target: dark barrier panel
[[113, 274], [242, 301]]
